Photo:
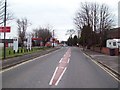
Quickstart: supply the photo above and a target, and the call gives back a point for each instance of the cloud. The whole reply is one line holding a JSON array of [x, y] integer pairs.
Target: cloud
[[58, 13]]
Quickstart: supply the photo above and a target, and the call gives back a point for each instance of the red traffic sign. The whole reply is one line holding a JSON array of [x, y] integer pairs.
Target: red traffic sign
[[3, 29], [36, 38]]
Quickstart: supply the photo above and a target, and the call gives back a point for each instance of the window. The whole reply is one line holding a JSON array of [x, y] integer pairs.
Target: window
[[110, 43], [114, 43]]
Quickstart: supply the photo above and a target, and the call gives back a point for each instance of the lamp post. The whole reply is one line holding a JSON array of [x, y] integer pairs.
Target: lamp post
[[5, 29]]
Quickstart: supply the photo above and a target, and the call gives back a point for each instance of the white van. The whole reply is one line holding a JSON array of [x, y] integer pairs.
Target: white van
[[113, 43]]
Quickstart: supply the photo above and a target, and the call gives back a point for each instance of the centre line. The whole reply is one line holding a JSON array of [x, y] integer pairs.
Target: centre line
[[61, 68]]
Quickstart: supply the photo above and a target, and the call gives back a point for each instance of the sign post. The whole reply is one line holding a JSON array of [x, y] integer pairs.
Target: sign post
[[29, 43], [15, 44], [5, 29]]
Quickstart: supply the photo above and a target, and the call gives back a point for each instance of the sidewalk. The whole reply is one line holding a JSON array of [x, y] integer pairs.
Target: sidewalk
[[110, 61], [16, 60]]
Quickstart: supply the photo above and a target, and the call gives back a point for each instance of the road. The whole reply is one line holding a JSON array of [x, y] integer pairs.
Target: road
[[67, 67]]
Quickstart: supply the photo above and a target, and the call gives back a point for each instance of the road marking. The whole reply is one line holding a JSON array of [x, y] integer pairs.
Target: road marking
[[53, 76], [61, 68], [105, 69], [60, 76], [60, 60], [68, 60], [63, 62], [5, 70]]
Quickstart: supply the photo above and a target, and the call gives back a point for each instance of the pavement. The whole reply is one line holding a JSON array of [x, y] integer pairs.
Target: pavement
[[17, 60], [112, 62], [67, 67]]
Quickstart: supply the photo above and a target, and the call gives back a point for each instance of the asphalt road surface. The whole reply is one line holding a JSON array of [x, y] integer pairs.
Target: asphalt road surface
[[67, 67]]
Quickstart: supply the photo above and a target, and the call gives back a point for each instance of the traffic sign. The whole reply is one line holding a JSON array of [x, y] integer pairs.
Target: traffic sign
[[3, 29], [6, 40], [36, 38]]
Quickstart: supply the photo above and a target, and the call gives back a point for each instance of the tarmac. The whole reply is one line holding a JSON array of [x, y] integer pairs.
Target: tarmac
[[112, 62], [6, 63]]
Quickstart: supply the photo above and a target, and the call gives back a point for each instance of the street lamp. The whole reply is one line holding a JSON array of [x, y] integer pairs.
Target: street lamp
[[5, 29]]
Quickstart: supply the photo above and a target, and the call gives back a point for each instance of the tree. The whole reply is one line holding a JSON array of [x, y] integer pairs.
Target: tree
[[70, 41], [70, 32], [97, 16], [86, 36], [9, 15], [22, 25], [43, 33], [75, 40]]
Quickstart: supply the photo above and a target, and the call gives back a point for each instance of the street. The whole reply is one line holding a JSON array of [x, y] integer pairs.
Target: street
[[67, 67]]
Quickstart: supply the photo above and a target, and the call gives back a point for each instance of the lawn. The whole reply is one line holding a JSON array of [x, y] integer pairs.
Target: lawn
[[21, 51]]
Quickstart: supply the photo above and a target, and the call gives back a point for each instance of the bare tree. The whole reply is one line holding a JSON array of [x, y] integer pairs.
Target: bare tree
[[106, 19], [70, 32], [95, 16], [22, 25], [9, 15], [44, 33], [98, 16]]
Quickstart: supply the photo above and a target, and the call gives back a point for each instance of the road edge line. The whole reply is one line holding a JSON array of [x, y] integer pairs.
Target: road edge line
[[102, 67], [25, 62]]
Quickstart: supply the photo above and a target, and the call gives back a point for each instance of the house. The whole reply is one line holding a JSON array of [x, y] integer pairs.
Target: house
[[113, 33]]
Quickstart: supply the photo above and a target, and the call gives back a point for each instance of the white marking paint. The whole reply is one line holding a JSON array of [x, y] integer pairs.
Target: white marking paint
[[68, 60], [106, 70], [51, 81], [60, 76], [27, 62], [60, 60]]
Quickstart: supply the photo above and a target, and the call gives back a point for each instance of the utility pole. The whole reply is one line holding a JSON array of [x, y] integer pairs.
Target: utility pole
[[5, 30]]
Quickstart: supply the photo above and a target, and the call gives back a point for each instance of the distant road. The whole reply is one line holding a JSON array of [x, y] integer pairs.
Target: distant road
[[67, 67]]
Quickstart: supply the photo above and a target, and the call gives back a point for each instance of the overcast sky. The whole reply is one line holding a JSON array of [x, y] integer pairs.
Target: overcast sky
[[57, 13]]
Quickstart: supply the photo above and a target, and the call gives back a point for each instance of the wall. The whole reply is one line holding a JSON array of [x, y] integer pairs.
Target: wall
[[105, 50]]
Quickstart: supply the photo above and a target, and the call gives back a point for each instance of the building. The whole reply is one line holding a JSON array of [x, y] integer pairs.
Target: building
[[113, 33]]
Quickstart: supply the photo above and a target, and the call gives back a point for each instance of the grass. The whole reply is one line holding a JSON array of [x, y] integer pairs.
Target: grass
[[22, 51]]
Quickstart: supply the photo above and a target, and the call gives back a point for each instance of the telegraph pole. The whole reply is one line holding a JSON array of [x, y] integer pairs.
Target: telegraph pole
[[5, 30]]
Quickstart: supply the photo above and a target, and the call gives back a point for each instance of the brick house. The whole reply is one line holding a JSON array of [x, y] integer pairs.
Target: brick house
[[114, 33]]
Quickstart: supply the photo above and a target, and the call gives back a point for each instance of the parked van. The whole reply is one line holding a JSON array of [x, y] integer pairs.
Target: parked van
[[113, 43]]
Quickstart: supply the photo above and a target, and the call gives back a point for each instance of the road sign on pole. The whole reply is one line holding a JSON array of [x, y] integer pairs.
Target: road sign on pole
[[5, 29]]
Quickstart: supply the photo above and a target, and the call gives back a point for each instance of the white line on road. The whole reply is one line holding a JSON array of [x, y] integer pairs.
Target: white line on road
[[64, 69], [27, 62], [53, 76], [68, 60], [106, 70], [60, 76], [60, 60]]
